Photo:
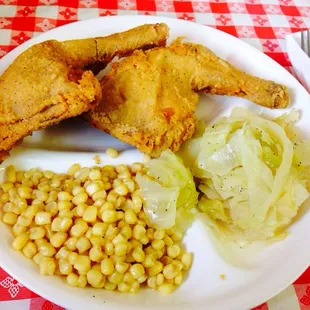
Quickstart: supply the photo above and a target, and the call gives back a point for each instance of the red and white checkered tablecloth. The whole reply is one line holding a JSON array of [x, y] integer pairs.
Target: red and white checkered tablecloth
[[261, 23]]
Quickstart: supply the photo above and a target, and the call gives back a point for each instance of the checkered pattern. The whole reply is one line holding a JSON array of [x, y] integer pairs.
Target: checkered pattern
[[261, 23]]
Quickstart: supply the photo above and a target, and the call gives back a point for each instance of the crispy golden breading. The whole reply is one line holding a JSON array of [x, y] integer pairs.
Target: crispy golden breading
[[48, 82], [149, 98]]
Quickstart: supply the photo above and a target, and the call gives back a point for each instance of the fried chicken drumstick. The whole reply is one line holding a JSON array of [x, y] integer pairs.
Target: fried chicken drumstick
[[150, 97], [48, 82]]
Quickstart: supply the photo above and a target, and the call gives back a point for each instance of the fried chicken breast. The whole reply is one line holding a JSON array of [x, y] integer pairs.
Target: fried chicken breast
[[49, 82], [149, 98]]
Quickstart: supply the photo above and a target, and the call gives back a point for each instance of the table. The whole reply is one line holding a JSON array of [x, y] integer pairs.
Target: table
[[261, 23]]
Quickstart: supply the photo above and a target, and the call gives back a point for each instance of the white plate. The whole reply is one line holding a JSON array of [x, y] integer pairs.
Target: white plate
[[250, 280]]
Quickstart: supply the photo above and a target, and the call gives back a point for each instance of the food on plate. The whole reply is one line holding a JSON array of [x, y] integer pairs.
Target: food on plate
[[97, 159], [169, 193], [49, 82], [112, 153], [149, 98], [88, 226], [253, 172]]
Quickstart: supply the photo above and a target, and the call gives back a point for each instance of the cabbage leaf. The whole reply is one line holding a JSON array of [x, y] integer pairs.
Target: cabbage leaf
[[169, 192], [253, 173]]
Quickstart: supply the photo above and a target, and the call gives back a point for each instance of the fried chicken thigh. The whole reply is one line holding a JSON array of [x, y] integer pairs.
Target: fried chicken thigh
[[49, 82], [149, 98]]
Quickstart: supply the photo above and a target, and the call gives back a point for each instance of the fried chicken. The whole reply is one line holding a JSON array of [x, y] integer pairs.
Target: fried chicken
[[150, 97], [48, 82]]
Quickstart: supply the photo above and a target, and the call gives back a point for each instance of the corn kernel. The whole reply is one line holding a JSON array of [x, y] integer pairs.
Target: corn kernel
[[72, 279], [37, 258], [79, 229], [158, 244], [112, 197], [128, 278], [109, 216], [116, 277], [142, 278], [166, 288], [187, 260], [100, 194], [76, 190], [130, 216], [177, 236], [47, 249], [71, 243], [150, 260], [107, 267], [168, 240], [111, 232], [112, 153], [82, 174], [43, 218], [156, 269], [18, 229], [95, 278], [83, 245], [134, 287], [136, 270], [29, 249], [99, 229], [126, 232], [159, 234], [64, 266], [20, 241], [62, 253], [41, 195], [64, 196], [120, 249], [92, 188], [130, 186], [65, 204], [7, 186], [95, 253], [121, 266], [178, 279], [144, 240], [138, 232], [119, 239], [90, 214], [10, 174], [123, 287], [58, 239], [173, 250], [9, 218], [37, 233], [82, 263], [110, 286], [121, 190], [51, 208], [95, 174], [82, 281], [47, 266], [170, 271], [73, 169], [138, 255], [151, 282], [160, 279], [72, 258], [80, 198]]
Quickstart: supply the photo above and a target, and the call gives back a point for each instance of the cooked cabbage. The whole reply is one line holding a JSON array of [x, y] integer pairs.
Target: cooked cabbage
[[254, 178], [169, 192]]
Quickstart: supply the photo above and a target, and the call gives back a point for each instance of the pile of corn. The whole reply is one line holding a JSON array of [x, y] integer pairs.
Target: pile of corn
[[88, 225]]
